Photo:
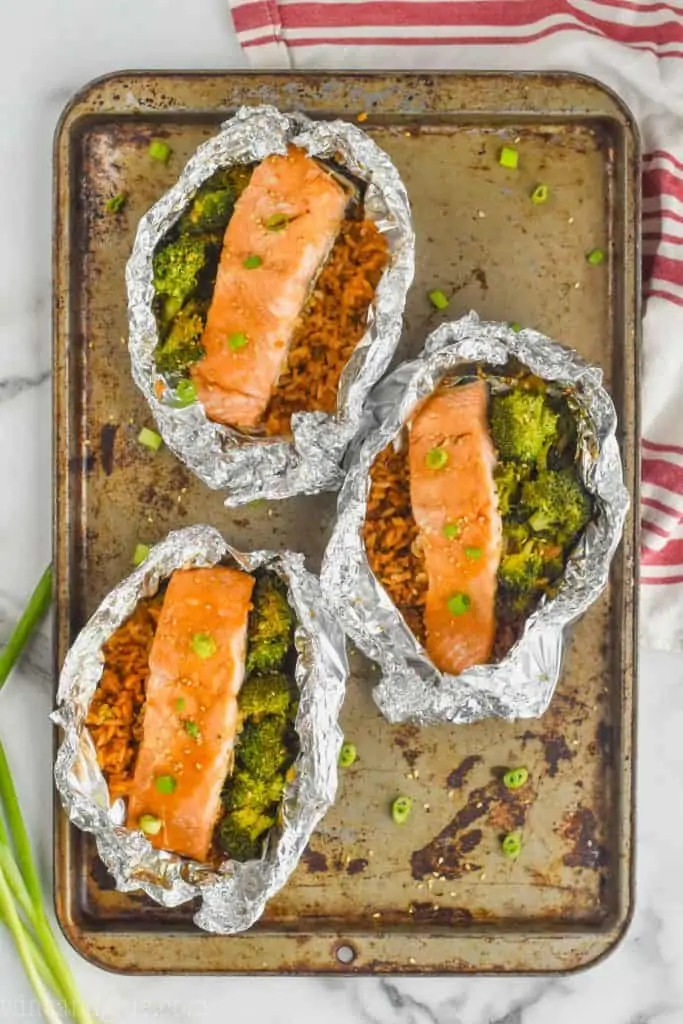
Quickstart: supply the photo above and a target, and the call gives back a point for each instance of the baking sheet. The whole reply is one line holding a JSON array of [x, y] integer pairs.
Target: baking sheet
[[369, 897]]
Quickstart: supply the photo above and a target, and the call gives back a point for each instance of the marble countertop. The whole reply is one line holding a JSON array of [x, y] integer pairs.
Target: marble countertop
[[51, 48]]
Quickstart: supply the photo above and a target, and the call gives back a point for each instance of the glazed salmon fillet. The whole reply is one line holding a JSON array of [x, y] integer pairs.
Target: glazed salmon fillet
[[453, 498], [196, 670], [284, 225]]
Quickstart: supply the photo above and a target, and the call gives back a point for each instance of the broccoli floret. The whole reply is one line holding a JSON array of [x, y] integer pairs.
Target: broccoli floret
[[243, 790], [508, 478], [265, 695], [520, 570], [209, 211], [177, 266], [241, 833], [262, 748], [515, 536], [558, 504], [270, 626], [522, 425], [182, 345]]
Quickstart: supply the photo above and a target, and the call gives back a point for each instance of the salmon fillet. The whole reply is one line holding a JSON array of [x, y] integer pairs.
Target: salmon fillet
[[196, 670], [254, 312], [454, 504]]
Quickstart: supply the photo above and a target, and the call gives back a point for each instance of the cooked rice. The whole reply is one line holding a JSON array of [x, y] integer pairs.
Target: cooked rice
[[391, 537], [115, 716], [333, 323]]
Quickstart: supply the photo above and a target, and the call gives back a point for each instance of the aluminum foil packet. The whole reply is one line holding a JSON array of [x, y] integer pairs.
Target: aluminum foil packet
[[226, 459], [411, 688], [233, 895]]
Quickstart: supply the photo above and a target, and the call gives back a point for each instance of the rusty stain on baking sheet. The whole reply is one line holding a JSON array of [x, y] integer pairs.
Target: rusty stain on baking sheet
[[555, 749], [458, 777], [407, 740], [314, 860], [580, 827], [447, 854], [564, 902]]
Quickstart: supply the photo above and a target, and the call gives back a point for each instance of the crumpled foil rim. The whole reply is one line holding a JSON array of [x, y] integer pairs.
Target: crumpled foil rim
[[234, 895], [223, 458], [521, 685]]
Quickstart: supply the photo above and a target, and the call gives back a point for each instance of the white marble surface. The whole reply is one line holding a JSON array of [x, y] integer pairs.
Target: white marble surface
[[50, 48]]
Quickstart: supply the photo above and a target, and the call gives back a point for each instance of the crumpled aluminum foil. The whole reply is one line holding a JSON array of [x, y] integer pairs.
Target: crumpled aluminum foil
[[234, 895], [411, 688], [248, 469]]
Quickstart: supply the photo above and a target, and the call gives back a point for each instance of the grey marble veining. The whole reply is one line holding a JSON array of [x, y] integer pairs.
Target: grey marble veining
[[10, 387]]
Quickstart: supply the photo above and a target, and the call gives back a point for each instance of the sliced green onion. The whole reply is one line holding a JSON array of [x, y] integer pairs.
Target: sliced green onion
[[473, 553], [347, 755], [540, 194], [515, 778], [438, 299], [165, 784], [150, 824], [252, 262], [37, 606], [276, 221], [595, 257], [512, 845], [401, 808], [237, 341], [509, 157], [185, 392], [458, 604], [116, 203], [150, 439], [160, 150], [45, 965], [140, 553], [191, 728], [436, 458], [514, 326], [451, 530], [180, 704], [204, 645]]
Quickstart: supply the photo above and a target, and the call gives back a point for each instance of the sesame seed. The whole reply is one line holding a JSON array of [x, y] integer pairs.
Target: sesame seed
[[377, 914], [411, 960], [426, 807]]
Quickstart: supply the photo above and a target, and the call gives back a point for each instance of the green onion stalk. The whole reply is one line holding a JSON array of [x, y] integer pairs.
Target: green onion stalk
[[22, 906]]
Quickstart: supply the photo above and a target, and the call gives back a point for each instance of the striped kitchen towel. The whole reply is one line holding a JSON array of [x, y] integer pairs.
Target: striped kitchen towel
[[634, 46]]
